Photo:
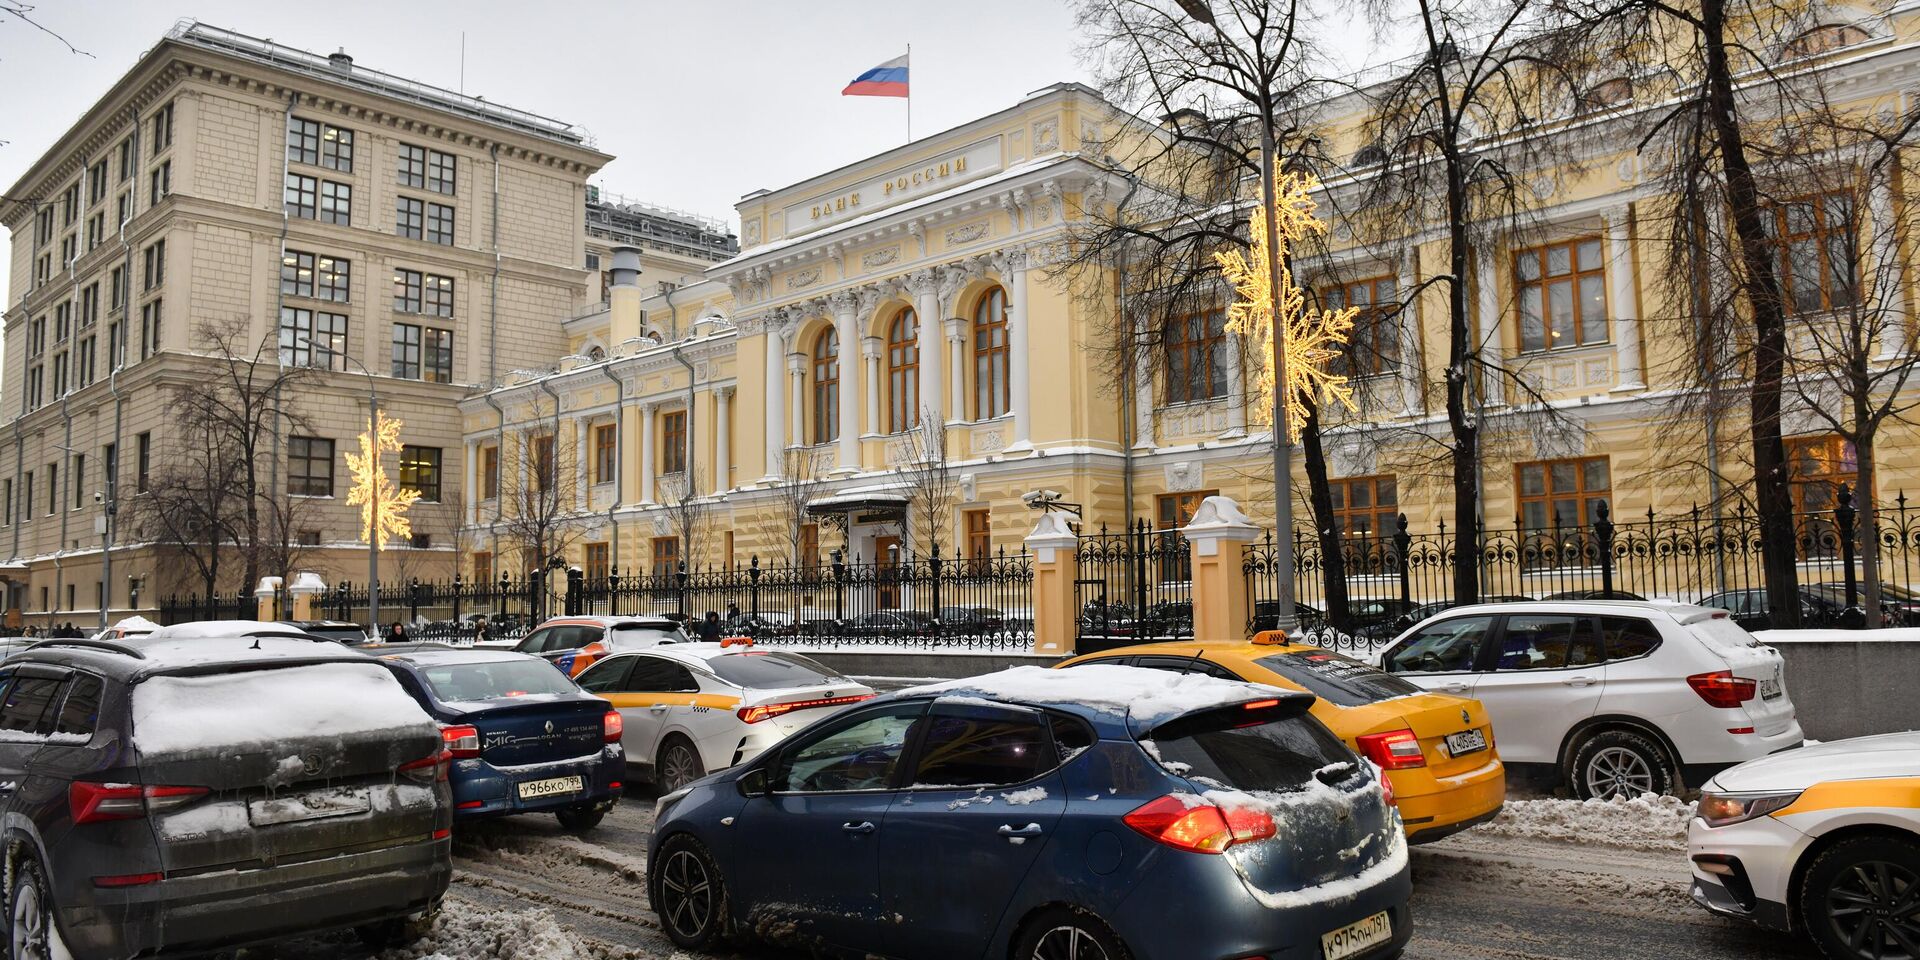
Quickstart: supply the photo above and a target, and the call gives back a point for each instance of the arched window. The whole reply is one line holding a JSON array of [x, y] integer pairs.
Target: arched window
[[1823, 38], [903, 372], [826, 387], [990, 355]]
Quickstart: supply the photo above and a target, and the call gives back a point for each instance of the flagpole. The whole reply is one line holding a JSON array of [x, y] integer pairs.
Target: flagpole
[[909, 93]]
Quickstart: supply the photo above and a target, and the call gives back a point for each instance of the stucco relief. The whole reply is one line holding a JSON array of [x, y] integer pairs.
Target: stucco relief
[[1353, 459], [1184, 476], [875, 259], [1090, 141], [899, 451], [803, 278], [989, 439], [967, 234], [752, 230], [967, 488], [1046, 136], [1560, 443]]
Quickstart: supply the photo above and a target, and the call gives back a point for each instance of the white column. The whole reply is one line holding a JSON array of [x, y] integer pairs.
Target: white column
[[776, 406], [1889, 289], [1493, 341], [848, 331], [473, 475], [1626, 301], [722, 439], [1014, 263], [1142, 404], [646, 453], [1236, 390], [1409, 329], [797, 398], [925, 286], [956, 370], [870, 351], [584, 480]]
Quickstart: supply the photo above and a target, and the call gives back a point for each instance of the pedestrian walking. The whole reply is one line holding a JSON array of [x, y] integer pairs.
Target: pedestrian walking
[[710, 628], [397, 633]]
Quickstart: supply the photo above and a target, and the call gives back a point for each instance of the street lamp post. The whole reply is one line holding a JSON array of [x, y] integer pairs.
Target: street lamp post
[[373, 489]]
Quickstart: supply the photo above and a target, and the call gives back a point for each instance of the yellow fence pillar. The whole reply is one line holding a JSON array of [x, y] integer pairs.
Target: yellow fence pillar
[[306, 585], [1055, 568], [1217, 536], [266, 597]]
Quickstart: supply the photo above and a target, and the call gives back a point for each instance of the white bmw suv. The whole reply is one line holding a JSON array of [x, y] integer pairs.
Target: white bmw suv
[[1622, 697]]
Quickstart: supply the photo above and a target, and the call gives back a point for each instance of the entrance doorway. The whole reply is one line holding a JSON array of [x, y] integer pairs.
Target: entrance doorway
[[886, 559]]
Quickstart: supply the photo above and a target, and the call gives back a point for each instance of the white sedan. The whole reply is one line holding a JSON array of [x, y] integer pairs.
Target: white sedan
[[693, 708], [1824, 839]]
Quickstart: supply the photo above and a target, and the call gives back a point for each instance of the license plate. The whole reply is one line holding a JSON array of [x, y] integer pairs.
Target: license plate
[[549, 788], [1772, 689], [1357, 938], [1465, 742], [311, 805]]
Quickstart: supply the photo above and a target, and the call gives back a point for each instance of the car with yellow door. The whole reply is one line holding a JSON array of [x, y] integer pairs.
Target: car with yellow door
[[1437, 750], [689, 709], [1824, 839]]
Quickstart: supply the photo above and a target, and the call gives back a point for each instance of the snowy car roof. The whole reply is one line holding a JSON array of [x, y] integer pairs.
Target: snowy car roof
[[1143, 697]]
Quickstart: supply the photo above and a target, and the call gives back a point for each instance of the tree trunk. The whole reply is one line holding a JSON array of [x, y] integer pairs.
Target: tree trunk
[[1772, 489], [1333, 562], [1460, 365], [1865, 535]]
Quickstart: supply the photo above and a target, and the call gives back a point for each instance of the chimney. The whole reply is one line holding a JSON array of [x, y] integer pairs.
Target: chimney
[[339, 61], [624, 296]]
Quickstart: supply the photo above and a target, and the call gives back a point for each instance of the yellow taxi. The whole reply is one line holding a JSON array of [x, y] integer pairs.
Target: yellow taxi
[[1437, 749]]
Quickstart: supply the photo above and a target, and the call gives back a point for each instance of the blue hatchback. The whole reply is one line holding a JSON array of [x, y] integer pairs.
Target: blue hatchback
[[1096, 813], [524, 738]]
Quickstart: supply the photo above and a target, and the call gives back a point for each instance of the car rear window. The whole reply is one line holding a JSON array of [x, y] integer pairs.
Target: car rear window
[[467, 682], [26, 704], [1281, 754], [756, 668], [1341, 681], [81, 710]]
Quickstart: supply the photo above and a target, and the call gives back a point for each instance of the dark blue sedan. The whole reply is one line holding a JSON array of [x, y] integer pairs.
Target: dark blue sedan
[[1096, 813], [524, 738]]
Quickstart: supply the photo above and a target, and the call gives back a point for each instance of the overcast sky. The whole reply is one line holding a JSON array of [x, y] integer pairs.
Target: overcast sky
[[699, 102]]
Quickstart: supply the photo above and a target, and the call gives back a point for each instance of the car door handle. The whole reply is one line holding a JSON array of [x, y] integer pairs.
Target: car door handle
[[1453, 688], [864, 826], [657, 708], [1579, 681], [1010, 831]]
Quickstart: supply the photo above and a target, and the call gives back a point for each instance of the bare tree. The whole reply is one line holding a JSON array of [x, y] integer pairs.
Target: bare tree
[[689, 514], [786, 518], [191, 503], [932, 486], [538, 520]]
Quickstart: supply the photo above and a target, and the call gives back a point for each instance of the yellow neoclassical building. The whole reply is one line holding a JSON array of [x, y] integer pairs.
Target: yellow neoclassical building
[[914, 300]]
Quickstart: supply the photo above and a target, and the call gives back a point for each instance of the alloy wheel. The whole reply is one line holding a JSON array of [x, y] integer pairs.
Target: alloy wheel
[[1068, 943], [29, 924], [1875, 908], [676, 768], [1617, 772], [688, 892]]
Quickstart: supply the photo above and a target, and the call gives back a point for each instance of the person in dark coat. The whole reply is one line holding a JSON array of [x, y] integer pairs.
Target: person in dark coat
[[397, 633], [710, 628]]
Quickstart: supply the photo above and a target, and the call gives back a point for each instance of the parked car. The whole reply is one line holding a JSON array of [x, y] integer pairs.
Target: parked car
[[201, 788], [1899, 606], [1824, 840], [1065, 811], [762, 625], [1266, 615], [1593, 595], [524, 738], [1427, 611], [892, 623], [574, 643], [693, 708], [1622, 698], [338, 631], [1752, 610], [970, 621], [1436, 748]]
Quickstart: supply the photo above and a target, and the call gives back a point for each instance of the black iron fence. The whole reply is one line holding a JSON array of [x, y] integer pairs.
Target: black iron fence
[[1695, 557], [432, 609], [1133, 586]]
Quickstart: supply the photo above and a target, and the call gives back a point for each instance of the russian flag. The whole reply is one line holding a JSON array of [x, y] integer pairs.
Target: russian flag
[[886, 80]]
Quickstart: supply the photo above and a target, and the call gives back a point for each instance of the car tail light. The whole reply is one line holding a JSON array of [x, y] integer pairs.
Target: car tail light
[[1386, 791], [1191, 824], [462, 741], [470, 805], [768, 711], [129, 880], [431, 768], [613, 725], [442, 833], [1398, 750], [1722, 689], [90, 802]]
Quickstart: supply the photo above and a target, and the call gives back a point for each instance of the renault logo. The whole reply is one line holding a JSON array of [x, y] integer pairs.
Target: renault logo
[[549, 727]]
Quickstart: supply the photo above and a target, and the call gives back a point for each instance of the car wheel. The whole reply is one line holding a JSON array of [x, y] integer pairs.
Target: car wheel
[[688, 893], [394, 934], [580, 818], [30, 914], [679, 764], [1058, 933], [1619, 764], [1861, 898]]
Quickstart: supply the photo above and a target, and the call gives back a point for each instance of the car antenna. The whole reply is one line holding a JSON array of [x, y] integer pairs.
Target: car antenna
[[1193, 660]]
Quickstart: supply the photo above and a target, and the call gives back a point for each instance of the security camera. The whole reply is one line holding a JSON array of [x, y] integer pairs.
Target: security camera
[[99, 497], [1035, 498]]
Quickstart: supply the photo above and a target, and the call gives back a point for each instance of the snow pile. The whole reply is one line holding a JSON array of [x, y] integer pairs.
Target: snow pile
[[464, 932], [1647, 822], [173, 714], [1151, 696]]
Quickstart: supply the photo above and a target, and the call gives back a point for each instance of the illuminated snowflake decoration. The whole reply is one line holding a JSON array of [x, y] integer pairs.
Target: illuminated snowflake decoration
[[371, 485], [1313, 338]]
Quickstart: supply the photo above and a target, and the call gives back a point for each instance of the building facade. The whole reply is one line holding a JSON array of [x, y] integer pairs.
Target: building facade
[[394, 237]]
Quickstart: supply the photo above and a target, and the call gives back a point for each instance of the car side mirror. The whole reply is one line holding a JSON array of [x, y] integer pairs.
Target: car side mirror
[[753, 783]]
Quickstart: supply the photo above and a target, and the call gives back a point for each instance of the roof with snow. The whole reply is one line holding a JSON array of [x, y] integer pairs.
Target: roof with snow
[[1146, 698]]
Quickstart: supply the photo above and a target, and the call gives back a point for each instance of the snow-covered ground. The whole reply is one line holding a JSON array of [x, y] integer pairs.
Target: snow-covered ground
[[1650, 823]]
